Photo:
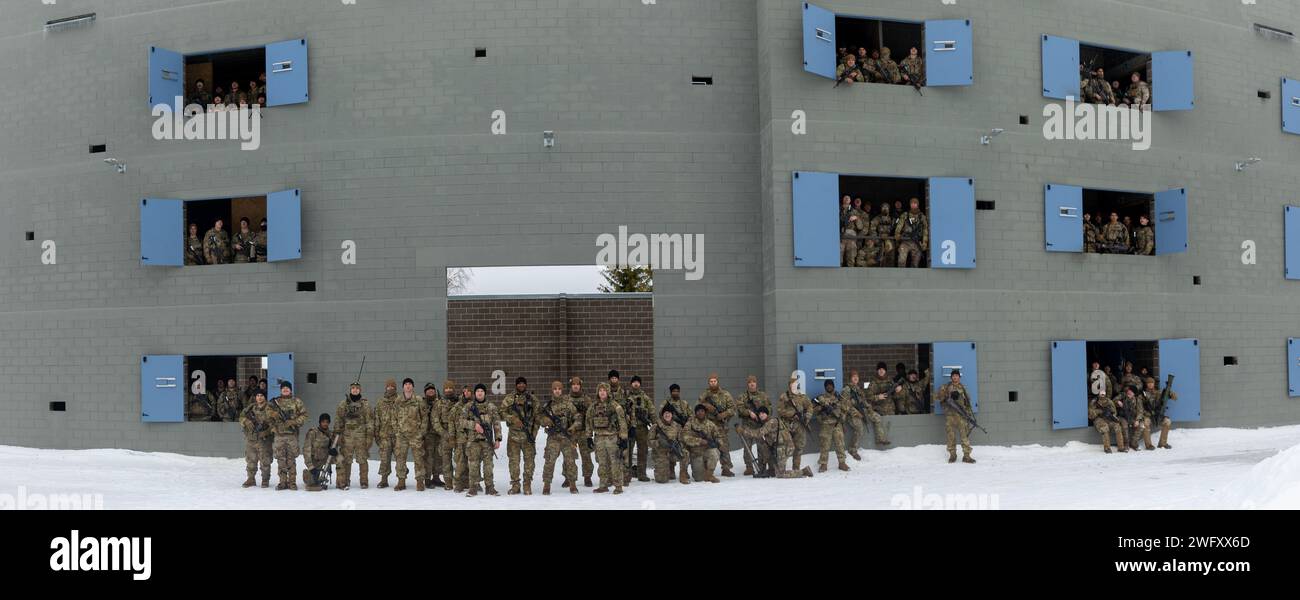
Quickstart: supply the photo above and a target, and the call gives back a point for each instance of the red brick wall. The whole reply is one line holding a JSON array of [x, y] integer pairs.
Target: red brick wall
[[863, 358], [548, 338]]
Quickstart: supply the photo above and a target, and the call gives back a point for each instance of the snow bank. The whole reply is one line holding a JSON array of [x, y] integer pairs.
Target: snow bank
[[1274, 483]]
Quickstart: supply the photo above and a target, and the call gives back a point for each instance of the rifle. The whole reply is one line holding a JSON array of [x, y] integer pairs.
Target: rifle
[[803, 418], [327, 470], [1165, 398], [951, 401], [677, 416], [487, 429], [711, 441], [526, 417], [912, 79], [674, 447], [749, 456], [1107, 413], [555, 421], [826, 409]]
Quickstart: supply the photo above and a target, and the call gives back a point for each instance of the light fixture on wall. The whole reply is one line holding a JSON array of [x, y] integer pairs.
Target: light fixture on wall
[[1273, 33], [988, 138], [117, 164], [1243, 165], [548, 139], [69, 22]]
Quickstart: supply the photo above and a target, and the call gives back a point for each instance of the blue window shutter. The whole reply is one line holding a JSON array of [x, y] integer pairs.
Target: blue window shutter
[[820, 362], [952, 223], [1292, 241], [1293, 367], [1060, 67], [1182, 359], [1171, 80], [816, 219], [286, 72], [1063, 207], [818, 41], [166, 77], [956, 355], [1290, 106], [1171, 221], [1069, 384], [162, 389], [162, 232], [284, 225], [949, 56], [279, 367]]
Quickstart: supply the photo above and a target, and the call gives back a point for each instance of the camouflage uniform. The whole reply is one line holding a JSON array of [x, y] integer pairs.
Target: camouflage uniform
[[888, 68], [913, 67], [386, 432], [1145, 241], [1138, 94], [521, 412], [229, 405], [286, 415], [663, 436], [479, 450], [216, 247], [794, 410], [315, 453], [1096, 411], [639, 409], [831, 416], [1151, 403], [1115, 236], [776, 443], [681, 414], [431, 452], [850, 230], [1100, 92], [880, 394], [439, 420], [245, 250], [564, 424], [355, 422], [883, 252], [412, 423], [719, 407], [581, 402], [955, 426], [1090, 236], [858, 413], [703, 437], [459, 444], [916, 393], [851, 72], [257, 442], [201, 408], [194, 251], [1139, 425], [607, 425], [259, 243], [913, 233], [748, 427]]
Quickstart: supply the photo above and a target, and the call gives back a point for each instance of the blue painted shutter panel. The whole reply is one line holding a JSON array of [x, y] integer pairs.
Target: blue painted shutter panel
[[1069, 384], [818, 41], [1182, 359], [286, 72], [279, 367], [1172, 80], [956, 355], [162, 389], [952, 223], [284, 225], [1291, 106], [816, 219], [1063, 208], [820, 362], [1171, 221], [166, 77], [1292, 241], [162, 232], [949, 56], [1293, 367], [1060, 67]]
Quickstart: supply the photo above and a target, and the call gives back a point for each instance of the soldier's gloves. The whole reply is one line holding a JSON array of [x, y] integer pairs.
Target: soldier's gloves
[[334, 451]]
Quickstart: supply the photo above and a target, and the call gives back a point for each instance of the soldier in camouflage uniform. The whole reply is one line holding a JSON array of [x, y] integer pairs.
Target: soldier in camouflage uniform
[[776, 445], [194, 247], [668, 446], [867, 248], [580, 401], [795, 411], [1099, 90], [1129, 379], [607, 427], [681, 414], [1138, 93], [216, 245], [241, 244], [1114, 236], [317, 448], [885, 249], [201, 407], [521, 410], [1152, 404], [1090, 234], [286, 416], [1144, 239], [913, 234], [881, 390], [386, 415], [257, 439], [1105, 417], [702, 435], [259, 241], [831, 415], [912, 67], [444, 422], [955, 426], [356, 426], [563, 425], [857, 409], [848, 71], [229, 402], [431, 453], [849, 231], [911, 396], [1139, 425], [747, 408], [870, 65], [481, 424], [639, 408], [720, 407], [888, 68], [412, 424]]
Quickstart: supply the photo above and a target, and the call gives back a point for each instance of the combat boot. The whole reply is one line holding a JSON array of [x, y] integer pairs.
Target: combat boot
[[448, 486], [727, 472], [855, 455], [401, 485], [968, 460], [342, 487], [491, 491], [586, 482], [844, 467], [749, 470], [807, 472], [684, 478], [1123, 449], [293, 486], [435, 482], [546, 489], [249, 482], [383, 482], [618, 489], [602, 489], [1146, 439], [365, 483], [821, 468], [266, 481], [952, 457], [514, 488], [712, 479], [472, 492], [565, 483], [419, 486], [1164, 438], [528, 488], [573, 487], [281, 486]]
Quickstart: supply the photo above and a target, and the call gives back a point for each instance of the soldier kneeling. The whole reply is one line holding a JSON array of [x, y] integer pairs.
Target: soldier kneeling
[[318, 455]]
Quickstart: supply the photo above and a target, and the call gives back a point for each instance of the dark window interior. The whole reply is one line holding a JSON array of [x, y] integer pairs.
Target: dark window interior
[[1111, 357], [204, 214], [31, 235], [1099, 204], [217, 368], [98, 148], [863, 358], [219, 69], [895, 191], [1119, 65], [875, 34]]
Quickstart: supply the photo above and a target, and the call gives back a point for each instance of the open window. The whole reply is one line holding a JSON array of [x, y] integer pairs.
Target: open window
[[1080, 368], [270, 75], [211, 231], [841, 220], [1079, 219], [178, 388], [918, 368], [1291, 106], [944, 55], [1068, 64]]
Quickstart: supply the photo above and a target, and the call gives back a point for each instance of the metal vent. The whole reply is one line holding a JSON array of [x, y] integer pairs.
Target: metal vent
[[70, 22], [1274, 33]]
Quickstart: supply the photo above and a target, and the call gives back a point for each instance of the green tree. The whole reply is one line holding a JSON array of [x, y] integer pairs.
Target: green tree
[[627, 279]]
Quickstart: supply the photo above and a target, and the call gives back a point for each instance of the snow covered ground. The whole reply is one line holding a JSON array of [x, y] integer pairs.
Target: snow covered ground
[[1208, 468]]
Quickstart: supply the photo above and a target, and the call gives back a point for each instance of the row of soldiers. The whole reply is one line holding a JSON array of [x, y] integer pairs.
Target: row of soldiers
[[1094, 88], [453, 437], [227, 403], [1129, 414], [863, 65], [898, 240], [1115, 237], [216, 247]]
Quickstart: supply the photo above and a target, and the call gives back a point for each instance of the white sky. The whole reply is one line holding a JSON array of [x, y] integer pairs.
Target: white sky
[[581, 279]]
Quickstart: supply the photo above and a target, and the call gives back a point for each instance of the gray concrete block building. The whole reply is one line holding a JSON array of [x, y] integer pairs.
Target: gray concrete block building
[[668, 117]]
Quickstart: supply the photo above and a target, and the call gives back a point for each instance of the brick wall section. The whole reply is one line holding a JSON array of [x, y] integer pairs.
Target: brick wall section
[[864, 358], [548, 338]]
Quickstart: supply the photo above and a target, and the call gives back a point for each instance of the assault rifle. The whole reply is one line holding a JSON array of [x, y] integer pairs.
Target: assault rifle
[[674, 447], [951, 401], [487, 428], [912, 79], [677, 416], [526, 417], [749, 456], [1165, 399], [324, 474], [826, 409], [556, 423]]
